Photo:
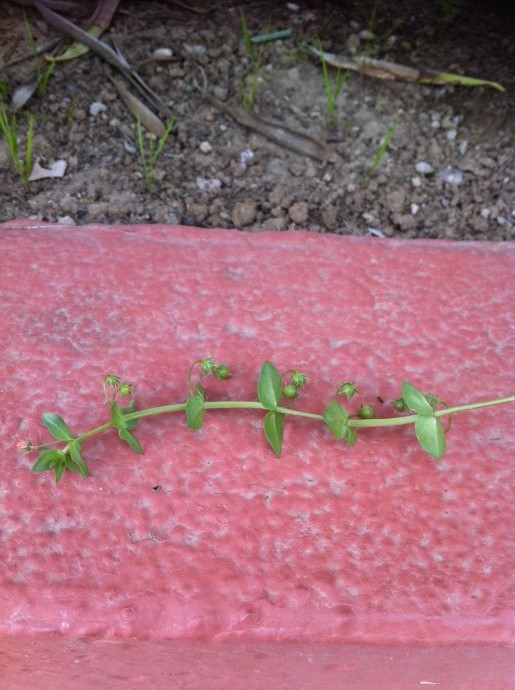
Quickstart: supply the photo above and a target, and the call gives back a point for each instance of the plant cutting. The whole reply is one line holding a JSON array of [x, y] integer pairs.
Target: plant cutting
[[276, 394]]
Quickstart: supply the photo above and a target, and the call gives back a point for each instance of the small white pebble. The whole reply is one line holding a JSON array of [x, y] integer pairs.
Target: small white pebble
[[210, 186], [205, 147], [463, 146], [65, 220], [97, 107], [451, 176], [162, 53], [375, 232], [485, 213], [416, 182], [452, 134], [414, 209], [423, 168], [246, 155]]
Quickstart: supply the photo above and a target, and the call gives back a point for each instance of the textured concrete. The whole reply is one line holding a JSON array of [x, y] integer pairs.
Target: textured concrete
[[372, 545]]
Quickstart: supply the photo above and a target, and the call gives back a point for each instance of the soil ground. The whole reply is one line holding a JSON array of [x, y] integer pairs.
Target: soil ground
[[447, 172]]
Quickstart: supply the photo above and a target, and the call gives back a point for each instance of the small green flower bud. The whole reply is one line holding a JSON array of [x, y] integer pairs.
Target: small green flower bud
[[290, 391], [111, 380], [125, 389], [207, 366], [399, 405], [348, 389], [298, 379], [366, 412], [222, 371]]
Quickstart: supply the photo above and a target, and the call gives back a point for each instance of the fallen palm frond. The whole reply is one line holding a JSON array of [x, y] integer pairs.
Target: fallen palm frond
[[95, 26], [383, 69], [105, 51], [143, 114]]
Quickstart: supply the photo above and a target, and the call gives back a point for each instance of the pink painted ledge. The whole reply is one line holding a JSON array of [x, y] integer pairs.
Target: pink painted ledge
[[370, 567]]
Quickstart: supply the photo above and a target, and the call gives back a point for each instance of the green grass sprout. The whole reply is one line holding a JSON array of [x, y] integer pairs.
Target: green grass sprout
[[252, 81], [42, 75], [385, 143], [332, 88], [9, 128], [150, 151]]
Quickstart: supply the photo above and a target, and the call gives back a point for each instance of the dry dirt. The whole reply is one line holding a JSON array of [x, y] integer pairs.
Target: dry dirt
[[448, 171]]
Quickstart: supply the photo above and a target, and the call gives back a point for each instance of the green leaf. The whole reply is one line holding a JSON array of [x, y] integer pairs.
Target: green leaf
[[430, 435], [269, 386], [59, 470], [336, 417], [130, 423], [129, 438], [195, 411], [47, 460], [80, 466], [117, 417], [273, 425], [57, 426], [415, 400]]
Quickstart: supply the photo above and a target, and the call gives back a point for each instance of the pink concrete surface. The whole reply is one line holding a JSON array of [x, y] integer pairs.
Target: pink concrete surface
[[306, 554]]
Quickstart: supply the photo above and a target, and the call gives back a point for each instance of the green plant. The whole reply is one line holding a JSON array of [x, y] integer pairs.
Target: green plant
[[385, 143], [252, 81], [149, 153], [374, 42], [9, 128], [42, 75], [334, 88], [449, 10], [276, 394]]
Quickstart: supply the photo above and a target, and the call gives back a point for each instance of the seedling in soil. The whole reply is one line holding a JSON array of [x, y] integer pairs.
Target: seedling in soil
[[150, 152], [42, 75], [276, 394], [332, 88], [383, 147], [9, 128], [449, 10], [252, 81]]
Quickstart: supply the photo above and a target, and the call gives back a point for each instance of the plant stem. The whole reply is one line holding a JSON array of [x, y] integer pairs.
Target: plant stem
[[474, 406], [254, 405]]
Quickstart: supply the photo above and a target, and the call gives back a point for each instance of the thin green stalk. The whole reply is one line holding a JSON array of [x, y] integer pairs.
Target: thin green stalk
[[150, 153], [9, 128], [332, 89], [256, 60], [383, 148], [42, 76]]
